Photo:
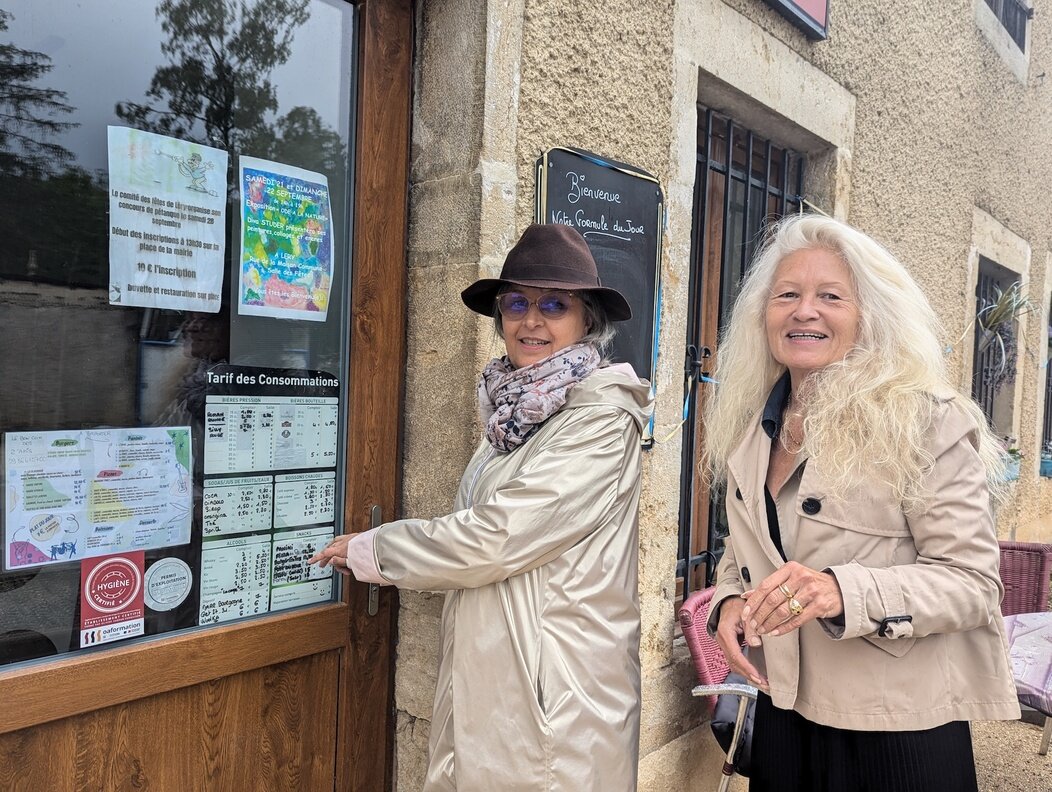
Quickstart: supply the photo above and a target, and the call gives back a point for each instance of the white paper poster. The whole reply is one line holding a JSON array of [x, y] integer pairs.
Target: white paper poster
[[85, 493], [286, 241], [167, 221]]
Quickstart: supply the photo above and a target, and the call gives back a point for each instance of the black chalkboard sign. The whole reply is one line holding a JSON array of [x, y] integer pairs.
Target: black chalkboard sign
[[619, 210]]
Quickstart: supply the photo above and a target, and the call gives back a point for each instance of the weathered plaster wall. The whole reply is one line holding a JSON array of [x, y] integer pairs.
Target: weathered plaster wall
[[943, 125], [444, 247], [910, 118]]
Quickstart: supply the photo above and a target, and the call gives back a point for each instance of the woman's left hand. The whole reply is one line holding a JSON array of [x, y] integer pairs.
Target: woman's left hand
[[792, 596]]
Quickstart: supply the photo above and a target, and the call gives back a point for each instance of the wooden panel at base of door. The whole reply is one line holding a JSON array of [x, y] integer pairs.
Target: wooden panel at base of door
[[273, 728]]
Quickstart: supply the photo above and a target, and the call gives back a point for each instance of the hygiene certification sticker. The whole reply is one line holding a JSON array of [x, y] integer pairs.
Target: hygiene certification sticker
[[111, 598], [168, 583]]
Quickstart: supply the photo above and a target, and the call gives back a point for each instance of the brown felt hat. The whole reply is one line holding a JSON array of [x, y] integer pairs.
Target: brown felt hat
[[552, 256]]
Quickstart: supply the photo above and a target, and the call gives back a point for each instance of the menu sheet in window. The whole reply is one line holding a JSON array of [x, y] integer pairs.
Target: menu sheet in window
[[75, 494], [269, 494]]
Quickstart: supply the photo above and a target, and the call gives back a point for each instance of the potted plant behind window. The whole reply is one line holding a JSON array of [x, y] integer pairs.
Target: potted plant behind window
[[996, 327], [1013, 458]]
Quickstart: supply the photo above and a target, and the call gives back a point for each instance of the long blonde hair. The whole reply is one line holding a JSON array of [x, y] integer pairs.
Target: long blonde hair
[[868, 415]]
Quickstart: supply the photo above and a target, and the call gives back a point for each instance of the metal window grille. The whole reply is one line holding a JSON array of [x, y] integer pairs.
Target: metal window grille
[[743, 182], [1046, 432], [1013, 15], [993, 366]]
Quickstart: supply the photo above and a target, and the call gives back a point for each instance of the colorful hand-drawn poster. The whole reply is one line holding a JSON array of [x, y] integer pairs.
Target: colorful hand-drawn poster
[[167, 221], [111, 598], [286, 241], [85, 493]]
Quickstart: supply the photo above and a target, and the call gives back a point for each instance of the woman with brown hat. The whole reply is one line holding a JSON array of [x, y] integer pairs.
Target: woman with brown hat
[[538, 683]]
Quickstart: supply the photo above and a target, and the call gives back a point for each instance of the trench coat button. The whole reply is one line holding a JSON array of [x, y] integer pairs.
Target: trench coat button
[[738, 494], [745, 575], [811, 506]]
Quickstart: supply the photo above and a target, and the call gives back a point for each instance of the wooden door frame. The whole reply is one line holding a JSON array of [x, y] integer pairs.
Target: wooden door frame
[[378, 360], [80, 683]]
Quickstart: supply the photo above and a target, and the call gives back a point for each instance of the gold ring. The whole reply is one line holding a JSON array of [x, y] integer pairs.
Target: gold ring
[[785, 591], [795, 607]]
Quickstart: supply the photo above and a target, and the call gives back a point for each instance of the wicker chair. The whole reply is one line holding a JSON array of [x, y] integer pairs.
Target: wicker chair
[[1025, 571], [711, 669]]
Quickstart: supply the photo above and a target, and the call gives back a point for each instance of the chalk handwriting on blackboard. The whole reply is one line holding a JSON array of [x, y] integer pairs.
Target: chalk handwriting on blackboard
[[618, 210], [591, 225], [578, 191]]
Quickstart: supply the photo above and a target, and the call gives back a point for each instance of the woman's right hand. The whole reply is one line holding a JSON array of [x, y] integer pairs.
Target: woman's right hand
[[729, 635]]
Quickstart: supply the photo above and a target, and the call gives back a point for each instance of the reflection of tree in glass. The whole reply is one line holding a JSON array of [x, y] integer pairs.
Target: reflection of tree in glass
[[304, 139], [29, 114], [216, 88], [40, 183]]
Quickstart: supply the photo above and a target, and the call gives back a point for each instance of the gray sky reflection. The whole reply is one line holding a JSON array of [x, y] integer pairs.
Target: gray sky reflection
[[106, 52]]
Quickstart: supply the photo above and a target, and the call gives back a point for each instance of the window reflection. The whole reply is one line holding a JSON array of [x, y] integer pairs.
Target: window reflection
[[270, 79]]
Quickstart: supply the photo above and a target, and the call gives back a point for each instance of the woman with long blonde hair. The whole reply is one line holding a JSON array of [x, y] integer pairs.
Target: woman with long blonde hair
[[861, 567]]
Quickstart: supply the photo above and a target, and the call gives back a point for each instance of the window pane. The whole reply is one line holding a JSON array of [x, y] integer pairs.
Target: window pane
[[174, 290]]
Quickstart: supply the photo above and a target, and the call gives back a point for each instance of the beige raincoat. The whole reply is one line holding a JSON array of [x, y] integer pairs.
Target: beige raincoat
[[938, 567], [538, 684]]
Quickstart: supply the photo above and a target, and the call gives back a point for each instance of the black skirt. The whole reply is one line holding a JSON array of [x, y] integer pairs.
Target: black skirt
[[791, 754]]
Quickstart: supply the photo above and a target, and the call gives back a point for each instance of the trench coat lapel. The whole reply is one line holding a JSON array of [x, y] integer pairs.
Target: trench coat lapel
[[748, 467]]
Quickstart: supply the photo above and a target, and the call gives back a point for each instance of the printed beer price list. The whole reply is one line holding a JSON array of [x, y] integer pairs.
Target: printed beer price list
[[248, 434]]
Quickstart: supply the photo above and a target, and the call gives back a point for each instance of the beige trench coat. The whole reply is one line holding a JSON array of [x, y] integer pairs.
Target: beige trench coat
[[940, 568], [538, 683]]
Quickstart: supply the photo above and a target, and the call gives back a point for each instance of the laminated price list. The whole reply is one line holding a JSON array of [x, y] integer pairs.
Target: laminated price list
[[271, 439], [304, 498], [294, 581], [246, 434], [238, 505], [235, 578]]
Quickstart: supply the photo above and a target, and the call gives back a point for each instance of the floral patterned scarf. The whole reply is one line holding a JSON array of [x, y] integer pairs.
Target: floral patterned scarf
[[515, 402]]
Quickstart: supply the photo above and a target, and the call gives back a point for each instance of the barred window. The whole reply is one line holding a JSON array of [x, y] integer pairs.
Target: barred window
[[1046, 431], [996, 348], [743, 183], [1013, 15]]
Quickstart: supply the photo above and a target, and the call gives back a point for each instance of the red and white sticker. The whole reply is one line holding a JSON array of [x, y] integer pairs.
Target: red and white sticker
[[111, 598]]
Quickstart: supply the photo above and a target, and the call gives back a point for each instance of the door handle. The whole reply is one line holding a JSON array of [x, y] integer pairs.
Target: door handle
[[373, 603]]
